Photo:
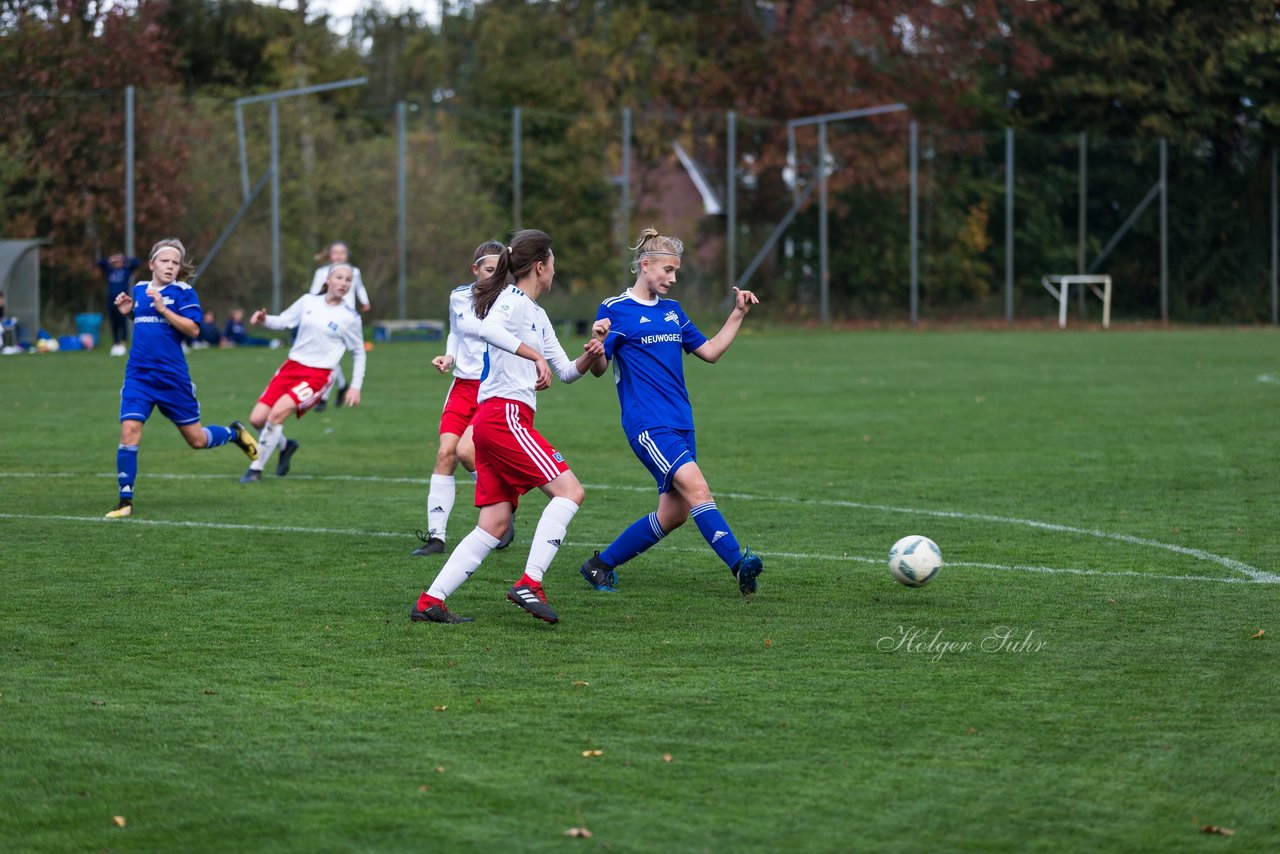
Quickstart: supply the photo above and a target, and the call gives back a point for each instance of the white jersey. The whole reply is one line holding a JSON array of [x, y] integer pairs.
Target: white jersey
[[464, 343], [514, 319], [357, 291], [325, 332]]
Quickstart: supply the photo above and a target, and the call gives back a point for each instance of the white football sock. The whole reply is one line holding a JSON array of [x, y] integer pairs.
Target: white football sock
[[549, 535], [466, 558], [440, 504], [271, 435]]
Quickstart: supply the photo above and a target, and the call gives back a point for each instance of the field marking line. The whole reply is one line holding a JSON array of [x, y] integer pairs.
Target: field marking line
[[349, 532], [1269, 378], [1253, 572]]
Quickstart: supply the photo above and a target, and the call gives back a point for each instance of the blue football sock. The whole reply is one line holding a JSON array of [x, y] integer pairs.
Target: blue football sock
[[643, 533], [215, 436], [715, 530], [126, 469]]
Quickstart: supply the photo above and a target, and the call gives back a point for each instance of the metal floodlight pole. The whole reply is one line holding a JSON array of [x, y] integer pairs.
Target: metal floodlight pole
[[515, 167], [824, 266], [1275, 241], [275, 207], [1164, 231], [244, 156], [914, 159], [626, 175], [1008, 225], [401, 199], [128, 173], [1082, 213], [731, 197]]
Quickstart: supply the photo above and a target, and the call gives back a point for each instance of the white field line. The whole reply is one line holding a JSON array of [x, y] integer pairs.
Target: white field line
[[1254, 574], [1269, 378]]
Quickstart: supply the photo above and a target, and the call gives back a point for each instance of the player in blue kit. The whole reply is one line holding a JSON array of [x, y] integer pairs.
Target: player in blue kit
[[165, 312], [648, 338]]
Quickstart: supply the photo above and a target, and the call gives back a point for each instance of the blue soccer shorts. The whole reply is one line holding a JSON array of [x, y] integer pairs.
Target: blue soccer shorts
[[175, 399], [663, 450]]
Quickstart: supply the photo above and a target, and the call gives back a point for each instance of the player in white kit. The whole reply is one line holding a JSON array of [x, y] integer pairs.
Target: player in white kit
[[464, 356], [327, 328], [512, 457]]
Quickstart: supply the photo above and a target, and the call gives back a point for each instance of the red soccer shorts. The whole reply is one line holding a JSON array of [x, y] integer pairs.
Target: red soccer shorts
[[511, 457], [459, 406], [305, 385]]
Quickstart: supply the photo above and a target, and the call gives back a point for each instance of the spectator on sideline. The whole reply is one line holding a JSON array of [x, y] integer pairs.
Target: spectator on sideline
[[237, 336], [166, 311], [649, 335], [464, 356], [326, 328], [210, 335], [511, 456], [118, 271]]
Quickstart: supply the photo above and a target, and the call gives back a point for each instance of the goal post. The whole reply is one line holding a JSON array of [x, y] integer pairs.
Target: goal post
[[1060, 287]]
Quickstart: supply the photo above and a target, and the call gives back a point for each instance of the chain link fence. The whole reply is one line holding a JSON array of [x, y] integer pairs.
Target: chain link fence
[[746, 195]]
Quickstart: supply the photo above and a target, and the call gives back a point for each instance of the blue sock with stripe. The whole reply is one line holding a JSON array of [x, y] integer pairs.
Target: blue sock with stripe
[[715, 530], [215, 436], [642, 534], [126, 469]]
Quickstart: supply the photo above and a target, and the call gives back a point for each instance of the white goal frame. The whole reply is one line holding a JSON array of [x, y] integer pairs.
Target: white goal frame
[[1060, 287]]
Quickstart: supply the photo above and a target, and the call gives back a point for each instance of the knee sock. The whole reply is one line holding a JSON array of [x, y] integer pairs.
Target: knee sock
[[548, 537], [440, 504], [215, 436], [126, 469], [466, 558], [271, 435], [715, 530], [642, 534]]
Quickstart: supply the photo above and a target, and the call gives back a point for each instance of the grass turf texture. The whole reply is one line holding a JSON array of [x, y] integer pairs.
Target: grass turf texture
[[234, 669]]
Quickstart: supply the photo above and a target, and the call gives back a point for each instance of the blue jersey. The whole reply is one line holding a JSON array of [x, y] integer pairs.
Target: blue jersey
[[646, 343], [157, 346]]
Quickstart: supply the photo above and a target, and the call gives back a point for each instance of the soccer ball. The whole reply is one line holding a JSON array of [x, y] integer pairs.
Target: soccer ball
[[914, 560]]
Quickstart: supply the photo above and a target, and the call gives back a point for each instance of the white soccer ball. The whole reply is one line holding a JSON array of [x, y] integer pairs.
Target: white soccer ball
[[914, 560]]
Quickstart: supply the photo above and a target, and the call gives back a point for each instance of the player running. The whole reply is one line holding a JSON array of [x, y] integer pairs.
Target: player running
[[327, 327], [165, 313], [511, 456], [464, 356], [647, 339]]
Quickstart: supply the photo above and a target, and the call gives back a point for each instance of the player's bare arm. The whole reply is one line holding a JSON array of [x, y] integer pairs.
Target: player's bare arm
[[716, 346]]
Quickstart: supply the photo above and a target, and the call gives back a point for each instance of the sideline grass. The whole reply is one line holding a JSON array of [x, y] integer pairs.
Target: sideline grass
[[233, 669]]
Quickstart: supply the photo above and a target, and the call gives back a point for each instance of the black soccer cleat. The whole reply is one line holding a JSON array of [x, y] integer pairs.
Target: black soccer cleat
[[431, 544], [531, 598], [599, 574], [286, 458], [437, 614], [123, 509], [241, 437], [509, 536], [746, 570], [341, 393], [251, 476]]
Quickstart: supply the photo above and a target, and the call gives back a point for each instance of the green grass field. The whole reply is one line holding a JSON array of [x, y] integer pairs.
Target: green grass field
[[233, 669]]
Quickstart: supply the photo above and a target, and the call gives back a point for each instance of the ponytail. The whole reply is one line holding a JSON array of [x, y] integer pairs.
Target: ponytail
[[653, 243], [527, 248]]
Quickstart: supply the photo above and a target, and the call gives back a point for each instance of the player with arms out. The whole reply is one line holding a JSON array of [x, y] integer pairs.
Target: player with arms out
[[511, 456], [648, 336], [165, 313], [464, 356], [327, 327]]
